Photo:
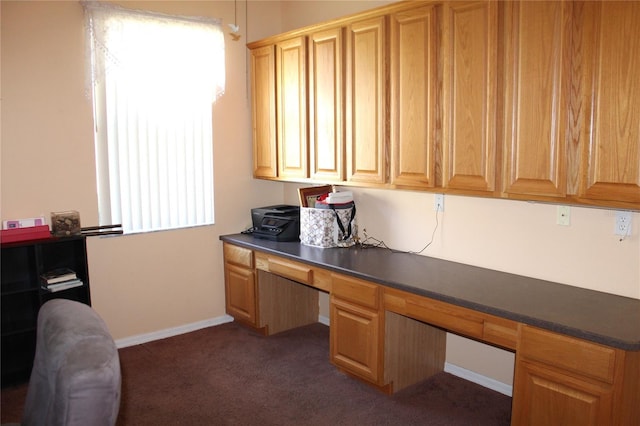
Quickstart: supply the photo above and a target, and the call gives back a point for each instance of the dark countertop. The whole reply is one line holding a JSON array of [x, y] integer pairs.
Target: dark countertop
[[591, 315]]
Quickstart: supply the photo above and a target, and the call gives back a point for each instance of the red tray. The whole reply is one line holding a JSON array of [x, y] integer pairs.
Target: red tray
[[24, 234]]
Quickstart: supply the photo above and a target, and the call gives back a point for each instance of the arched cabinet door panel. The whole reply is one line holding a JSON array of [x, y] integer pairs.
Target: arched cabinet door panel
[[537, 63]]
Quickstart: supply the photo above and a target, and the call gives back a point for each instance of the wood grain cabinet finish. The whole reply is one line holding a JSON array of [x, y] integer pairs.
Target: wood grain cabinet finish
[[326, 100], [293, 270], [570, 95], [546, 396], [498, 331], [366, 101], [291, 101], [263, 109], [356, 290], [355, 337], [610, 168], [509, 99], [563, 380], [413, 89], [356, 327], [240, 284], [469, 56], [258, 286], [537, 61]]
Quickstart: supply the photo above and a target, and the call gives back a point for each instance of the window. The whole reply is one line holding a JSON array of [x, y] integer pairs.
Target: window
[[154, 79]]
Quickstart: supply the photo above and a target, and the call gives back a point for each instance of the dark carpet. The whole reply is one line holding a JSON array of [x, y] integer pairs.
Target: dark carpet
[[230, 375]]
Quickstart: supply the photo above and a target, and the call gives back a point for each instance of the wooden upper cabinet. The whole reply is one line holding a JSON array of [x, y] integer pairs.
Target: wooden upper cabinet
[[530, 100], [413, 85], [326, 100], [537, 64], [611, 133], [470, 31], [263, 109], [366, 111], [291, 101]]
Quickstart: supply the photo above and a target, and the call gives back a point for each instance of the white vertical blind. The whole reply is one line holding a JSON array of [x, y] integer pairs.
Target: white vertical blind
[[154, 79]]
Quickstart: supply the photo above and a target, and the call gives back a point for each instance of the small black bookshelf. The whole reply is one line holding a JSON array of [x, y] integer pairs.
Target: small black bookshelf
[[23, 292]]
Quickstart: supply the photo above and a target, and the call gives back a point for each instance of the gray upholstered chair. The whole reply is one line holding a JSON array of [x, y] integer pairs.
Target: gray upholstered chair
[[76, 376]]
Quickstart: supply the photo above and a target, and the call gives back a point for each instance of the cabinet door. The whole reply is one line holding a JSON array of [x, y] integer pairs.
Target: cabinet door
[[537, 71], [470, 31], [326, 95], [563, 380], [263, 109], [611, 156], [355, 339], [240, 293], [292, 108], [544, 396], [413, 83], [366, 129]]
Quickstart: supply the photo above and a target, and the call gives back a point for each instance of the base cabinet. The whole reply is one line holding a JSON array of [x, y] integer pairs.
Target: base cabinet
[[240, 293], [392, 339], [240, 284], [357, 328], [260, 294], [569, 381], [355, 338], [546, 396]]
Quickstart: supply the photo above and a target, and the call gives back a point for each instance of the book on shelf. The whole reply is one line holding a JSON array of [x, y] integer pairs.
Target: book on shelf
[[58, 275], [63, 285]]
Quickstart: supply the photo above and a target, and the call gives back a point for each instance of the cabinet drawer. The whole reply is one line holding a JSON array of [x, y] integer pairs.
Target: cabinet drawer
[[501, 332], [358, 291], [434, 312], [296, 271], [238, 255], [444, 315], [488, 328], [568, 353], [293, 270]]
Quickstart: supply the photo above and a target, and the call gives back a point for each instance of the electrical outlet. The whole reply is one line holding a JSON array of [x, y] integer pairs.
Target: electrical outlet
[[623, 223], [438, 202], [564, 216]]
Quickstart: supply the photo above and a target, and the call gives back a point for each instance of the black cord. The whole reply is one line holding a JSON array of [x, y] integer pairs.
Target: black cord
[[370, 242]]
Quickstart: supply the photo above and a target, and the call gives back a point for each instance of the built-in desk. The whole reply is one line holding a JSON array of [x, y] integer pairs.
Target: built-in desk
[[577, 350]]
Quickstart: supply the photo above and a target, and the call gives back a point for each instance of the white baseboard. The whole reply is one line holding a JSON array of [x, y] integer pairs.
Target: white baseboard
[[479, 379], [175, 331], [463, 373], [170, 332], [323, 320]]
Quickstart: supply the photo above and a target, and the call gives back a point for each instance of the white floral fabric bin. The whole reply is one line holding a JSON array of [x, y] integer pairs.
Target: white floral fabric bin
[[320, 227]]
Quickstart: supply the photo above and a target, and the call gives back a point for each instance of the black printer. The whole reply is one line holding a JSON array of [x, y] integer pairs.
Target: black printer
[[276, 223]]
